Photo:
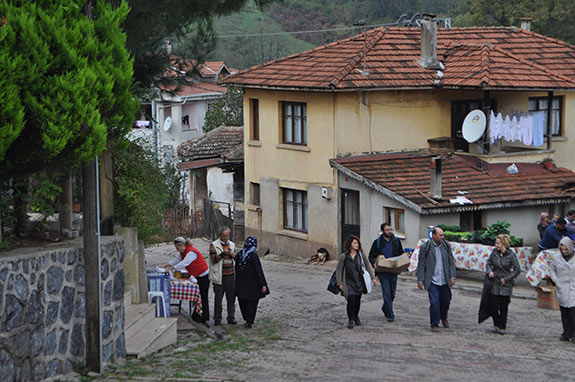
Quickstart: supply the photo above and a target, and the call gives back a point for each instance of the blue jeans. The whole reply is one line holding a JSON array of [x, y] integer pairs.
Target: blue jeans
[[439, 299], [388, 283]]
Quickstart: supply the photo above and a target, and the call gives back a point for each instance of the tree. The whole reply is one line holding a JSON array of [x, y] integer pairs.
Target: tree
[[65, 79], [226, 111]]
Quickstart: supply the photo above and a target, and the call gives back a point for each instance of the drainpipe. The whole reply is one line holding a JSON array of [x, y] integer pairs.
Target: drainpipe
[[549, 109]]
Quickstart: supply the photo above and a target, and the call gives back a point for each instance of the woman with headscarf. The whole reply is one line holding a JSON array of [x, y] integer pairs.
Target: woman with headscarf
[[543, 223], [563, 275], [251, 284], [502, 268], [191, 261]]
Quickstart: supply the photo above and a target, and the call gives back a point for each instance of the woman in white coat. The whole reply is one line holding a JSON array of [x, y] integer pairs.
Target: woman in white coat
[[563, 275]]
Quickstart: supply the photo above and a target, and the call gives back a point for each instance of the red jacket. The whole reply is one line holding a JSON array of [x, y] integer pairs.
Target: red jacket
[[198, 266]]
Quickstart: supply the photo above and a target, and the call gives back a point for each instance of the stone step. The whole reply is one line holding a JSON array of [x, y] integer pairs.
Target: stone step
[[138, 316], [159, 333]]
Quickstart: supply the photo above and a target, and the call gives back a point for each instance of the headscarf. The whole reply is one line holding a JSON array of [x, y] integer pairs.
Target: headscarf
[[542, 220], [566, 241], [250, 246]]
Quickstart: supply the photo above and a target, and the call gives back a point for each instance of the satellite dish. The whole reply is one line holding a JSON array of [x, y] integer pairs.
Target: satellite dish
[[474, 125], [167, 123]]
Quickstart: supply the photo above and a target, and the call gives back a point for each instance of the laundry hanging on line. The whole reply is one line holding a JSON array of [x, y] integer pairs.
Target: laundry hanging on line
[[528, 128]]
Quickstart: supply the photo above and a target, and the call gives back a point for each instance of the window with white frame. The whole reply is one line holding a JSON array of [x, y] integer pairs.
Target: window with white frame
[[294, 123], [395, 217], [294, 209]]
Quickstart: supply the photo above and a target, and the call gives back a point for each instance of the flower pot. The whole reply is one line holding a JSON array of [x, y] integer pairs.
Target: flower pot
[[548, 165]]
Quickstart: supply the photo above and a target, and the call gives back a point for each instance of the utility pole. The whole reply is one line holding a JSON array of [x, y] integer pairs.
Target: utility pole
[[91, 239]]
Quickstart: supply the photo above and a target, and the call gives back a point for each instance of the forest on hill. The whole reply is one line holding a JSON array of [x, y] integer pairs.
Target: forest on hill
[[254, 35]]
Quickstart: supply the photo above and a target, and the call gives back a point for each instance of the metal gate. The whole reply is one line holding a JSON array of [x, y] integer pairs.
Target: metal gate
[[216, 215], [177, 222]]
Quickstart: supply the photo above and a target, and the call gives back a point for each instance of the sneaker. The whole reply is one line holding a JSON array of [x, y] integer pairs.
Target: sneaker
[[564, 338], [502, 331], [232, 321], [445, 323], [495, 330], [435, 329], [350, 324], [390, 319], [357, 321], [247, 326]]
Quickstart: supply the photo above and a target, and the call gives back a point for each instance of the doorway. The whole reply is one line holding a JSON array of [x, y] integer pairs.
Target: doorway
[[349, 214]]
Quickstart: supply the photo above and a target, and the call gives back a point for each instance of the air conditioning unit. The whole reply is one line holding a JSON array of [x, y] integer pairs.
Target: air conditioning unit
[[326, 193]]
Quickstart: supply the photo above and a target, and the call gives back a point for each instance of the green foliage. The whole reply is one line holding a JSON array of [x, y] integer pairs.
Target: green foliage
[[500, 228], [458, 236], [226, 111], [44, 194], [142, 189], [451, 228]]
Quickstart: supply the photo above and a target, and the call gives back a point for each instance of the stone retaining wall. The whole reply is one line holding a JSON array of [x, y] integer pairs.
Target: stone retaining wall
[[42, 305]]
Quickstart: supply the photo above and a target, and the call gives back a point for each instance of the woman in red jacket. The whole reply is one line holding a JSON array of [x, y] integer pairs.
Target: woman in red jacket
[[191, 261]]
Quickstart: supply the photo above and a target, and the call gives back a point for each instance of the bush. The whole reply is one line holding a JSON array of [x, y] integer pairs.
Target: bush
[[451, 228]]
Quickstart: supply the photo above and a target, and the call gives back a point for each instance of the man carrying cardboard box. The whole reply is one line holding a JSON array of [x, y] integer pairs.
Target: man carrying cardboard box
[[386, 245]]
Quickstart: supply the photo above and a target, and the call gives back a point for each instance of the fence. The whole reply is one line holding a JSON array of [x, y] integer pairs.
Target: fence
[[177, 222]]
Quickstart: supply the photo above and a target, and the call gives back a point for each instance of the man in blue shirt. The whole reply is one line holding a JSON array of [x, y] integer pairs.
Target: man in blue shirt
[[436, 272], [553, 235], [389, 246]]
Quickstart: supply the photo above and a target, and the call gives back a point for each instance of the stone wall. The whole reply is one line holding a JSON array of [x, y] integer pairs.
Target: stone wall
[[42, 305]]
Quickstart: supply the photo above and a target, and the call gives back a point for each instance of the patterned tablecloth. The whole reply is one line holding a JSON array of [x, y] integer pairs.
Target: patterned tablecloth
[[186, 290], [540, 267], [473, 256]]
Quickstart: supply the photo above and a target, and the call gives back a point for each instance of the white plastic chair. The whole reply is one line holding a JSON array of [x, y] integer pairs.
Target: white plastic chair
[[160, 300]]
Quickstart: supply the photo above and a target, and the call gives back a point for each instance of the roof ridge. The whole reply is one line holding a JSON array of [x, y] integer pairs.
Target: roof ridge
[[485, 60], [315, 49], [379, 33]]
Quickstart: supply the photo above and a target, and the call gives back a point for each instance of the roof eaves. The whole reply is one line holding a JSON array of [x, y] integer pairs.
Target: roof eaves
[[390, 194], [491, 206]]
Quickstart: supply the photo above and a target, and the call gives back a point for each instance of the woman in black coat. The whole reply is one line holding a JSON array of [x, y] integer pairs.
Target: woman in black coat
[[251, 284]]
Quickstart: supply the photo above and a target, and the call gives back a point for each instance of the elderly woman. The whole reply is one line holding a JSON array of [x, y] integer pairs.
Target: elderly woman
[[350, 280], [563, 275], [502, 268], [543, 224], [251, 284], [190, 260]]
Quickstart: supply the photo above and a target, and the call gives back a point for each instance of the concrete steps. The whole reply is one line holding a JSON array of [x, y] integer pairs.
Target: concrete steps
[[144, 332]]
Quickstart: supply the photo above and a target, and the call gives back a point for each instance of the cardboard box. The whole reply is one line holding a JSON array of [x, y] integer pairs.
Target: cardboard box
[[546, 298], [396, 264]]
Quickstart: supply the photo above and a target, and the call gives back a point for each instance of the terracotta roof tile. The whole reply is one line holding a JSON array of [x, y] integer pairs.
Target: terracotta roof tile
[[407, 175], [223, 142], [488, 57]]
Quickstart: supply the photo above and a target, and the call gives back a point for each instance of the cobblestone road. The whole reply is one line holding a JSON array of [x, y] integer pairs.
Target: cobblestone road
[[316, 345]]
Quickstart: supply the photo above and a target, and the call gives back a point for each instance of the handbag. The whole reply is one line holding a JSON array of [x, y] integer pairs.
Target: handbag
[[365, 274], [332, 285]]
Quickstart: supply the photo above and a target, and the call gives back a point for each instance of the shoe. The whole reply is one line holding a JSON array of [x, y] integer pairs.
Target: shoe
[[217, 323], [357, 321], [445, 323], [502, 331], [350, 324], [564, 338], [390, 319], [435, 329], [206, 324], [232, 321], [495, 330], [247, 326]]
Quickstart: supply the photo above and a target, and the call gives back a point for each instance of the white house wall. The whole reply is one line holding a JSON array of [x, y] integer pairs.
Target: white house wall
[[220, 185]]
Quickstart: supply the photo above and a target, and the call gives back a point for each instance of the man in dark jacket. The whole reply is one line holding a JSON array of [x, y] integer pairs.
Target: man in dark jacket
[[389, 246], [436, 272], [553, 235]]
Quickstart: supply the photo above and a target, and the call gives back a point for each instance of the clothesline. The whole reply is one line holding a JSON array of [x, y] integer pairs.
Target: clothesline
[[527, 128]]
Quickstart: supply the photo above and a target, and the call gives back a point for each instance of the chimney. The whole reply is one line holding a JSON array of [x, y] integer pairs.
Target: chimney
[[435, 178], [428, 58], [526, 23]]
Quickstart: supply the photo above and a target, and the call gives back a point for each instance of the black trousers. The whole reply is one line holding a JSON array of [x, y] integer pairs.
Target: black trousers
[[498, 309], [204, 285], [353, 303], [228, 288], [568, 321], [248, 309]]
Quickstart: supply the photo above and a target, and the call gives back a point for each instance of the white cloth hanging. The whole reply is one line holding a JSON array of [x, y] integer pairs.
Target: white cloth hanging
[[526, 123], [538, 128], [492, 128], [515, 130]]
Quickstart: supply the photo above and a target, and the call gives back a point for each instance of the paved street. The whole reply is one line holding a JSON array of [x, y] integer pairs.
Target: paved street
[[300, 334]]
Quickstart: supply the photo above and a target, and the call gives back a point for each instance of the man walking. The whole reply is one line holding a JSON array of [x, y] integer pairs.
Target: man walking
[[389, 246], [222, 275], [436, 272]]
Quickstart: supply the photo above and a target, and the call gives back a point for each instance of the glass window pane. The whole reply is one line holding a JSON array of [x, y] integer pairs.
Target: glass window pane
[[556, 103], [400, 222], [555, 122], [543, 104], [532, 105], [288, 129]]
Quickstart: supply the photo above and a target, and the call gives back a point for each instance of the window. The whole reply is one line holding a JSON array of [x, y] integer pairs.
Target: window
[[471, 221], [255, 119], [294, 123], [540, 104], [295, 209], [255, 193], [395, 217]]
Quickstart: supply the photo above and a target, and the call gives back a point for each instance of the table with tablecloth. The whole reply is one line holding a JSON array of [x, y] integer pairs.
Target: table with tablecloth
[[541, 266], [473, 257], [186, 289]]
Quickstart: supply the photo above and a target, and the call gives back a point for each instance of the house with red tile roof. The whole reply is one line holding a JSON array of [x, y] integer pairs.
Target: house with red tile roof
[[395, 90]]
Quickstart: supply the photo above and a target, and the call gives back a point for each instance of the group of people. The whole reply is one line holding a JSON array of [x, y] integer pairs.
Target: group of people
[[551, 231], [436, 273], [232, 274]]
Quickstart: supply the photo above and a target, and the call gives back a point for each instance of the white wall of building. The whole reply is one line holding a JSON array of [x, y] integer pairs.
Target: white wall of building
[[220, 185]]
